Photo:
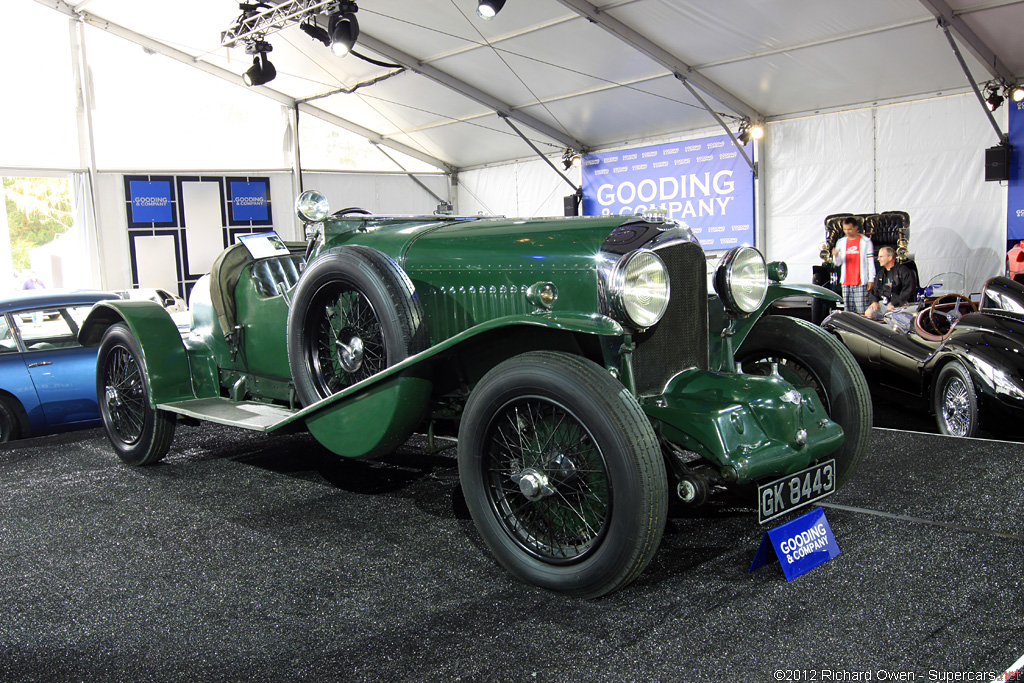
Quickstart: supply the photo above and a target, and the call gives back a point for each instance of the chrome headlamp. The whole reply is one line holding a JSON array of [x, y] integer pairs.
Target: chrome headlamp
[[639, 288], [312, 207], [742, 280]]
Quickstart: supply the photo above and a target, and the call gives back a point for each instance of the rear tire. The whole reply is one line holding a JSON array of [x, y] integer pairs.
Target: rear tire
[[8, 423], [140, 433]]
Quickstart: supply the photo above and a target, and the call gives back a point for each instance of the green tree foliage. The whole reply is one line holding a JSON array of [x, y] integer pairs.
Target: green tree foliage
[[38, 211]]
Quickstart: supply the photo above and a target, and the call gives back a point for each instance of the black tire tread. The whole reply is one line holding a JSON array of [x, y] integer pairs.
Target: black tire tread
[[627, 419], [159, 424]]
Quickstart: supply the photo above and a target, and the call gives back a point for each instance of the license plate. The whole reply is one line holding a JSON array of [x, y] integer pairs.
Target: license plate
[[795, 490]]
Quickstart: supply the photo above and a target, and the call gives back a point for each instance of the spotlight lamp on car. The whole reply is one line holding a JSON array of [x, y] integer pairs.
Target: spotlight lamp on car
[[488, 9], [261, 71], [343, 28]]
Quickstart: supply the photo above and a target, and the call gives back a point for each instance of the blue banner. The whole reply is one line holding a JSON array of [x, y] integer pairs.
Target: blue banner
[[151, 201], [1015, 189], [249, 201], [704, 183]]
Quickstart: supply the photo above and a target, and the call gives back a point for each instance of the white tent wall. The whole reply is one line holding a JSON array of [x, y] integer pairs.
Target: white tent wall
[[525, 188], [381, 193], [924, 157]]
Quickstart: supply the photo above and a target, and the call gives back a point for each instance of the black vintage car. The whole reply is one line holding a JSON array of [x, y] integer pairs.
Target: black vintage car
[[965, 357]]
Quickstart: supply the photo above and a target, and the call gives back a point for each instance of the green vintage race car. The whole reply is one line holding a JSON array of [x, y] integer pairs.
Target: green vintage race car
[[586, 369]]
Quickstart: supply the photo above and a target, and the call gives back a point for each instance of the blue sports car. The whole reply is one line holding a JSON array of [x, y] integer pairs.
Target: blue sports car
[[47, 379]]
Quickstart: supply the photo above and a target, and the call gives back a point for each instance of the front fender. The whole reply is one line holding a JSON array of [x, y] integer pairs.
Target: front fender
[[776, 291], [994, 366], [165, 360], [750, 426]]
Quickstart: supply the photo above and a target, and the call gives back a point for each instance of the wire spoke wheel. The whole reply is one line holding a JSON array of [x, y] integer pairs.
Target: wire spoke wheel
[[347, 344], [547, 480], [123, 397], [140, 433], [562, 473], [955, 408]]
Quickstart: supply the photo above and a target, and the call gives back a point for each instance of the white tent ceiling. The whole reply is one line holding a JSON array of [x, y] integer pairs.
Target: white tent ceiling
[[590, 74]]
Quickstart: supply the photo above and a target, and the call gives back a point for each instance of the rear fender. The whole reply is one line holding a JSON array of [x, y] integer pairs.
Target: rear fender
[[396, 400], [164, 358]]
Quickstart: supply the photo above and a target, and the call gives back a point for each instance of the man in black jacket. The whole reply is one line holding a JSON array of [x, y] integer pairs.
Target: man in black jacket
[[895, 285]]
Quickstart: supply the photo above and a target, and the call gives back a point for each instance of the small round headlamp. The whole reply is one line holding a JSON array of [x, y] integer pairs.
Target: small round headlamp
[[640, 288], [778, 271], [742, 280], [312, 206]]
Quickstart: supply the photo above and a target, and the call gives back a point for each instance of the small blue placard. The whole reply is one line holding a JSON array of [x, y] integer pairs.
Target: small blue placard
[[248, 201], [800, 544], [151, 201]]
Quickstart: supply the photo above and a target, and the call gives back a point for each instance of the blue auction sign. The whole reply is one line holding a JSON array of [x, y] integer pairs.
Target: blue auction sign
[[800, 544], [249, 201], [704, 183], [1015, 189], [151, 202]]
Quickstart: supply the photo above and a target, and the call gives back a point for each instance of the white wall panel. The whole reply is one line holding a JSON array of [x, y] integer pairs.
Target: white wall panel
[[814, 167], [931, 164]]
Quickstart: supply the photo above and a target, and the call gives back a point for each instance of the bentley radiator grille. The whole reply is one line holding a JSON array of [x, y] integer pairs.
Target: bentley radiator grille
[[680, 340]]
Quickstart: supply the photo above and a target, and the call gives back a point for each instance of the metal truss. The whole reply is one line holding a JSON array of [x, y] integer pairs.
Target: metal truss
[[254, 25]]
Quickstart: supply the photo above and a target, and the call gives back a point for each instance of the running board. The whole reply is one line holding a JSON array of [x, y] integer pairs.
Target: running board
[[260, 417]]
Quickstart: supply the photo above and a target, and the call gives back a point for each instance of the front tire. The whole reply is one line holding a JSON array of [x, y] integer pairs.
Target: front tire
[[809, 356], [955, 401], [562, 474], [140, 433]]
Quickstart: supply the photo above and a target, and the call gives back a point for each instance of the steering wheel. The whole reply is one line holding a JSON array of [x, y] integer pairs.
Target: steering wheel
[[350, 210], [954, 313]]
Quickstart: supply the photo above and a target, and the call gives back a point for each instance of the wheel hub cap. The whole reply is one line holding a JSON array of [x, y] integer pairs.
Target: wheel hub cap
[[351, 354], [533, 484], [112, 397]]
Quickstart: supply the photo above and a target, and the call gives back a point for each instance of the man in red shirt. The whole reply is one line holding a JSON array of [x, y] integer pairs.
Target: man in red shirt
[[856, 257]]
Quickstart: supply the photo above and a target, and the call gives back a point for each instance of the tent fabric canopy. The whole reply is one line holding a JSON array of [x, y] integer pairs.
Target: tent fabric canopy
[[589, 74]]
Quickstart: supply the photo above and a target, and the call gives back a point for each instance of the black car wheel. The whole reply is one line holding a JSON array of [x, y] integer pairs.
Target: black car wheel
[[140, 434], [8, 423], [810, 357], [955, 401], [354, 314], [562, 474]]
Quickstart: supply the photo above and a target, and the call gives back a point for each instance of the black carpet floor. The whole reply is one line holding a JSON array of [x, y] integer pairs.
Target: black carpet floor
[[250, 558]]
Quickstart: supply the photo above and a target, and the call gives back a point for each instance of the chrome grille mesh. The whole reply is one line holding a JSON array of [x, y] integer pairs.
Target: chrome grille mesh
[[680, 339]]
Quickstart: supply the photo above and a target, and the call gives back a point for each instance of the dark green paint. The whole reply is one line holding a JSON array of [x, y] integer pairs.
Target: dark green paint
[[742, 422], [164, 359]]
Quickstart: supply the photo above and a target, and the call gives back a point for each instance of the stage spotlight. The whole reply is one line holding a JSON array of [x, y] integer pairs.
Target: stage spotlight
[[488, 9], [756, 132], [316, 32], [261, 71], [343, 29], [571, 159], [749, 132], [994, 99], [1017, 93]]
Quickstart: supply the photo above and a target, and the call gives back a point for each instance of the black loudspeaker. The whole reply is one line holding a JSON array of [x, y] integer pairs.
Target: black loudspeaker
[[571, 205], [997, 162]]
